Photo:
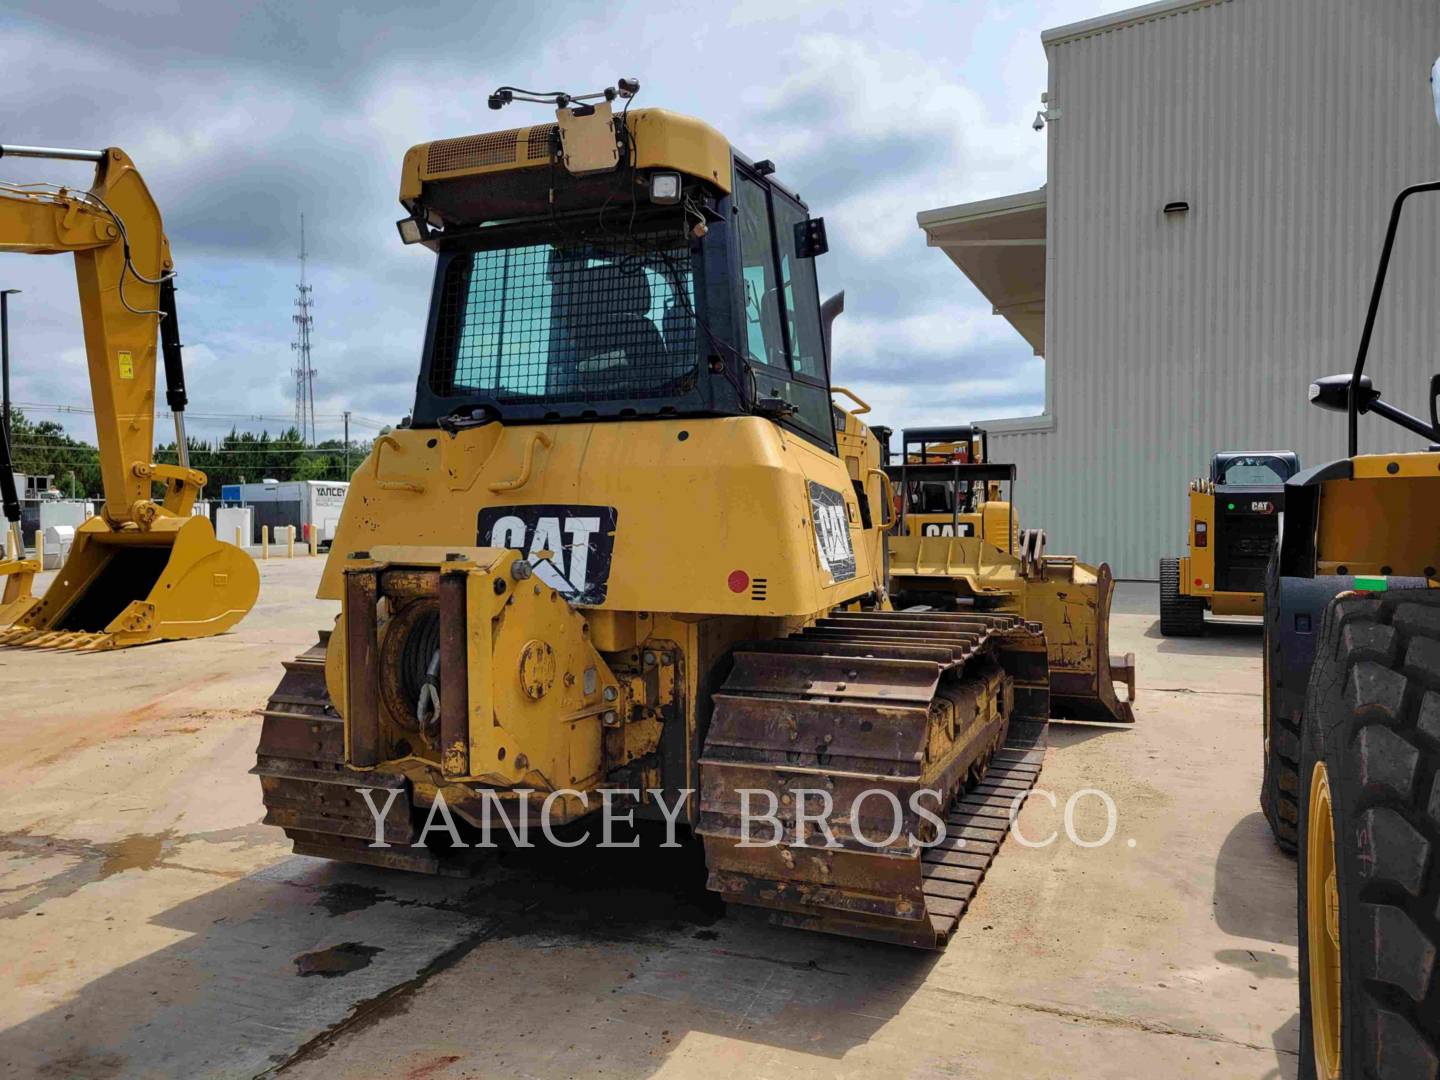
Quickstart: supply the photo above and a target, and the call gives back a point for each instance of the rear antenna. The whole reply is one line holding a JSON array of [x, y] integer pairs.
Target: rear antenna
[[624, 89]]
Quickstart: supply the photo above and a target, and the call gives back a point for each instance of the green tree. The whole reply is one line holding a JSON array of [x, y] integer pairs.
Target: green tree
[[41, 448]]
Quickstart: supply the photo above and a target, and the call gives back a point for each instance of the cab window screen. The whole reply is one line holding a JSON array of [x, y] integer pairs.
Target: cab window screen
[[578, 322]]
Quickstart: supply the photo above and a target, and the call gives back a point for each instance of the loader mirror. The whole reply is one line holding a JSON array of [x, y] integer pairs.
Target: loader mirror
[[1333, 392], [810, 238], [1435, 87]]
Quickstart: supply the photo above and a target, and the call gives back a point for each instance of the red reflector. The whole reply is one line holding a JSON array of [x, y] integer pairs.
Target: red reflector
[[738, 580], [1199, 581]]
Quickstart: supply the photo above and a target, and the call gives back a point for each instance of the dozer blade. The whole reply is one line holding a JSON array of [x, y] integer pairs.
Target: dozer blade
[[1072, 601], [122, 587]]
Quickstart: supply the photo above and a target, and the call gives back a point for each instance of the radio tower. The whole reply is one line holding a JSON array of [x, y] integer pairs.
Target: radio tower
[[303, 372]]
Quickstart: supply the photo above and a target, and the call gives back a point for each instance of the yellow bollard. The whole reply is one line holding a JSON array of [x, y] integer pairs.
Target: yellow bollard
[[10, 552], [264, 541], [40, 548], [238, 542], [290, 542], [314, 541]]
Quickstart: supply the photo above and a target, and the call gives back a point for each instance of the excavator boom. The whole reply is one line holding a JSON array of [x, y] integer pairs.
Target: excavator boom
[[142, 569]]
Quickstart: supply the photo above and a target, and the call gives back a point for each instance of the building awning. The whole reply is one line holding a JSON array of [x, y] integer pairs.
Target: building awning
[[999, 244]]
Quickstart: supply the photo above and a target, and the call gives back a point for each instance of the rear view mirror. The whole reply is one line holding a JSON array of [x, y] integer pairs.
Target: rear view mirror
[[1333, 392], [1435, 87], [810, 238]]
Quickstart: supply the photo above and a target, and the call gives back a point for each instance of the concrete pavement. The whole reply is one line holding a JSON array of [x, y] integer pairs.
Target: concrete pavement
[[151, 927]]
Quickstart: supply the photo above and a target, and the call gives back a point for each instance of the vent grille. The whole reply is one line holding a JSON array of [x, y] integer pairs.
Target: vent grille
[[542, 139], [759, 588], [471, 152]]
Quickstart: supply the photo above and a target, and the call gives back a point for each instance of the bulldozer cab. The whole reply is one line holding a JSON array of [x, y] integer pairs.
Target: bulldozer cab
[[691, 292], [946, 487]]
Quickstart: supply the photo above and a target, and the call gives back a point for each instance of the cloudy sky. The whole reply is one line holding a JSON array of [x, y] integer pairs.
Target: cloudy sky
[[244, 115]]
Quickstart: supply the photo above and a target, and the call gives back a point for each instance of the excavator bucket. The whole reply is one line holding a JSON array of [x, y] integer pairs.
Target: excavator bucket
[[122, 587], [1072, 600]]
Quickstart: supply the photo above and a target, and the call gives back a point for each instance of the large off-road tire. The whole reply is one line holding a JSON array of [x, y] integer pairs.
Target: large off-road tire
[[1280, 785], [1180, 616], [1369, 842]]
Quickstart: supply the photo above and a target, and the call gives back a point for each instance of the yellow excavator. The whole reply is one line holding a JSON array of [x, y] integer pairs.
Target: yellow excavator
[[625, 553], [141, 570], [959, 547]]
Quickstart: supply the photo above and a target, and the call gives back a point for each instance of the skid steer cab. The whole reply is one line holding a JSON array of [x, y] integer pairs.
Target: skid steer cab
[[1234, 519], [958, 545]]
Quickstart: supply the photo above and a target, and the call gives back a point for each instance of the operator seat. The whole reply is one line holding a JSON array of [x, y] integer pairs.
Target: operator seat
[[613, 344]]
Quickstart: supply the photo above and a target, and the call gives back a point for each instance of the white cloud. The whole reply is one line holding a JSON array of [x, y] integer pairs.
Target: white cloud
[[873, 112]]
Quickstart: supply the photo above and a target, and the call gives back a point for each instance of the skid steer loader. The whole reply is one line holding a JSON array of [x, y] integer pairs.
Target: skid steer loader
[[1352, 723], [624, 552], [140, 570], [959, 547], [1234, 518]]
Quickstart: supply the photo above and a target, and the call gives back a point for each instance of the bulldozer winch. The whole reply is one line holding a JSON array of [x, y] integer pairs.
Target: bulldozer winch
[[625, 548], [141, 570]]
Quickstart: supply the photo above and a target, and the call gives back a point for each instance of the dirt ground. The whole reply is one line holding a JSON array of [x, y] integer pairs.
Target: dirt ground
[[150, 926]]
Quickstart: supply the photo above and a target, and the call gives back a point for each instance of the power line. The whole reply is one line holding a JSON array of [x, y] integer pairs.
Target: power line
[[194, 449], [189, 415]]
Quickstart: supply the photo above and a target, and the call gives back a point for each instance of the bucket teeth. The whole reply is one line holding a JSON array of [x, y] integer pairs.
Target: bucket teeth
[[23, 637]]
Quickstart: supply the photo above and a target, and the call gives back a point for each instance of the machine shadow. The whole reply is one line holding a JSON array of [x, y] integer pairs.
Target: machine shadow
[[1255, 885], [1220, 639], [241, 971]]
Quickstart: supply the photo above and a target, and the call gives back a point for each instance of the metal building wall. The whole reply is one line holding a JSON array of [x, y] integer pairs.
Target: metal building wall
[[1288, 126]]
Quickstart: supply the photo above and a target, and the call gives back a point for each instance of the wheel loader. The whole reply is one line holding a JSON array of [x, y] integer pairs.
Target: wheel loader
[[625, 552], [1233, 522], [1352, 722], [141, 570], [959, 547]]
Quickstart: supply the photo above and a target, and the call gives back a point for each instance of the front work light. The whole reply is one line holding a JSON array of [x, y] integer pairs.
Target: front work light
[[665, 188], [411, 231]]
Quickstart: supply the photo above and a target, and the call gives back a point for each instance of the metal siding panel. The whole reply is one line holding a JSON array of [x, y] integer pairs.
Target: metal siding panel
[[1289, 125]]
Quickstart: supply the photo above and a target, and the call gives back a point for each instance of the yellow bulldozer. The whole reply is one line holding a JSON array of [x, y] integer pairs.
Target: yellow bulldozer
[[144, 568], [1352, 726], [624, 553], [959, 547]]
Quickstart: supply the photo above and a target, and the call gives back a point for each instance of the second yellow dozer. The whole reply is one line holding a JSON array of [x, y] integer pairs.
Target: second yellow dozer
[[141, 570], [959, 547], [621, 557]]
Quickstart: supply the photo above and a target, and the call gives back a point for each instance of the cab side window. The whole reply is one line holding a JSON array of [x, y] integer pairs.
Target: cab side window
[[764, 339], [782, 310]]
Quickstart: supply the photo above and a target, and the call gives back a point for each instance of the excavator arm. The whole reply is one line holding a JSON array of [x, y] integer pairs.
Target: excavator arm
[[141, 569], [125, 277]]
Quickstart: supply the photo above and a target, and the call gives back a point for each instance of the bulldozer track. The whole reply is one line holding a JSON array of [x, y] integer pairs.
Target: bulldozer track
[[902, 703], [311, 793], [895, 701]]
